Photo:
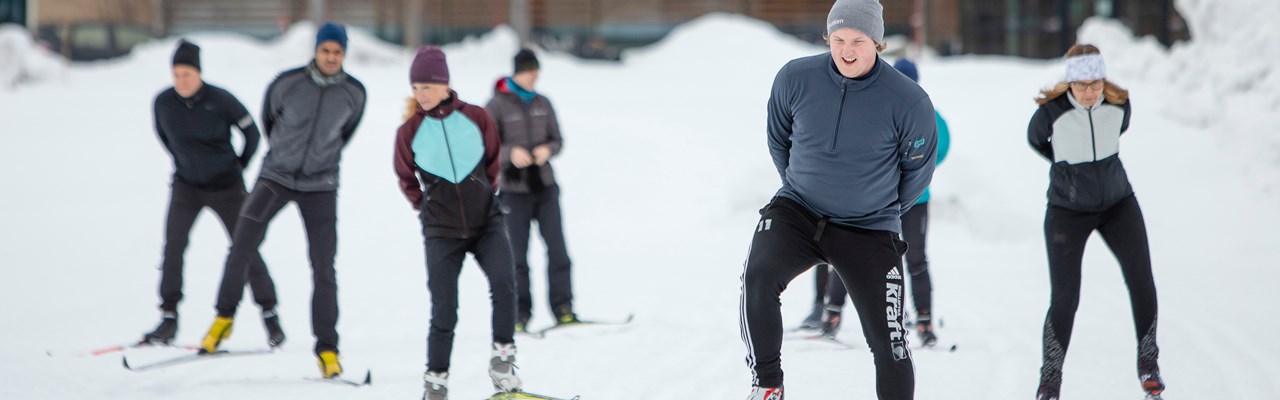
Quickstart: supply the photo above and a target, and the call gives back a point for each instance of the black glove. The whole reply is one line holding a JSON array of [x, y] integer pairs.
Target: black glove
[[533, 177]]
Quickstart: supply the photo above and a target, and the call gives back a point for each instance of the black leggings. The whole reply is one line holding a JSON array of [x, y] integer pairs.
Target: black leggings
[[185, 203], [444, 257], [1124, 231], [320, 216], [790, 240]]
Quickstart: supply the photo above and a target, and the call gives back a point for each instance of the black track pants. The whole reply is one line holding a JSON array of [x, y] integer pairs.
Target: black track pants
[[185, 203], [320, 217], [788, 241], [915, 226], [1124, 231]]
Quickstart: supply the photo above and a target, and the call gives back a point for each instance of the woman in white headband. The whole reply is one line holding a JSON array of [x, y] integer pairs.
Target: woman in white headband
[[1078, 128]]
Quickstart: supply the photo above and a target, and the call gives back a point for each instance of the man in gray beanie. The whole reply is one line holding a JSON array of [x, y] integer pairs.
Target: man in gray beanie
[[866, 16], [854, 142]]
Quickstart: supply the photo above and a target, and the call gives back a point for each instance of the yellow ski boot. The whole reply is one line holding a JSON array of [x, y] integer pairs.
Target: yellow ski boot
[[220, 330], [329, 366]]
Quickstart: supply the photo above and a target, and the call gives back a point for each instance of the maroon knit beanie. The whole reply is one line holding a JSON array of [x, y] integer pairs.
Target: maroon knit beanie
[[429, 66]]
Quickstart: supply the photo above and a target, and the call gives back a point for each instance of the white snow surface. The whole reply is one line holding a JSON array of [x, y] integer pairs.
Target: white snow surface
[[664, 169], [22, 61]]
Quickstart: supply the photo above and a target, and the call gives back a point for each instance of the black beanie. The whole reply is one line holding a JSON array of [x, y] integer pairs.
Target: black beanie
[[188, 53], [526, 61]]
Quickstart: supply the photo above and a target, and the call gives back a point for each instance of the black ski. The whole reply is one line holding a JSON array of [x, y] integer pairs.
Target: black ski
[[830, 339], [542, 333], [338, 380], [940, 347], [189, 358], [805, 335]]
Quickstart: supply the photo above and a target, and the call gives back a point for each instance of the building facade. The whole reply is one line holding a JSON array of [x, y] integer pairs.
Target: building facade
[[599, 28]]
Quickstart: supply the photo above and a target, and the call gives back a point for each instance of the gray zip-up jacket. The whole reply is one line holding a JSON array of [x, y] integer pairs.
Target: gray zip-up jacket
[[524, 125], [859, 152], [308, 118]]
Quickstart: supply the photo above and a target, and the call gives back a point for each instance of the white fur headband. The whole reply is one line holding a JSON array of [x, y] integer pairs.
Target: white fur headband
[[1086, 67]]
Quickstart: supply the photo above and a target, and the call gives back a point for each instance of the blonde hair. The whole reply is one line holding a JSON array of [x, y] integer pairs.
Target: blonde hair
[[1113, 93], [411, 107]]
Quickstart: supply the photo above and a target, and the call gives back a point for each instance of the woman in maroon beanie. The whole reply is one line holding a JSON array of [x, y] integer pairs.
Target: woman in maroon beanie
[[446, 156]]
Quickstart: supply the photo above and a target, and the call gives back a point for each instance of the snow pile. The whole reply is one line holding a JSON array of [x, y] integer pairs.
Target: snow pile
[[710, 32], [22, 61], [1226, 78]]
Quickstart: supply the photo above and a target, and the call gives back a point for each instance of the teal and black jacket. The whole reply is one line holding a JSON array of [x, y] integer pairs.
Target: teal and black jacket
[[944, 145], [447, 161]]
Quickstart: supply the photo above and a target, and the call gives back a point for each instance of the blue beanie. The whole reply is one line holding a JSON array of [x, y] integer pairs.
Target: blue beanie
[[332, 31], [908, 68]]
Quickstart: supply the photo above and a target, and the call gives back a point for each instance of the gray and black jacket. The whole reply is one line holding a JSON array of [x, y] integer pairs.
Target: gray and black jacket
[[525, 125], [1084, 145], [308, 118], [858, 152]]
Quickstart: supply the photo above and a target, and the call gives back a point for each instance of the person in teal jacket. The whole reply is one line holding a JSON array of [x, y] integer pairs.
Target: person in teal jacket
[[915, 223]]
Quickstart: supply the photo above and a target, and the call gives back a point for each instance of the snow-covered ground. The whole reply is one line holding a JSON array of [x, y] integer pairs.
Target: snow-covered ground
[[663, 171]]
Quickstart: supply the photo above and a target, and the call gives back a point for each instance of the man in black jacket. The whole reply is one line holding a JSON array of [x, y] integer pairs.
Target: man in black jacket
[[530, 138], [309, 116], [194, 120]]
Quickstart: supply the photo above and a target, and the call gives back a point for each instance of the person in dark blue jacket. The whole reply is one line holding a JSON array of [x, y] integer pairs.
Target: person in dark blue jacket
[[1077, 128], [826, 315], [854, 143], [193, 120]]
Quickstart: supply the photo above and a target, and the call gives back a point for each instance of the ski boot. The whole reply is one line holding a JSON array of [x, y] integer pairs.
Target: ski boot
[[1047, 392], [831, 321], [813, 322], [329, 365], [275, 334], [220, 331], [759, 393], [565, 315], [1151, 383], [164, 333], [924, 326], [502, 368], [435, 385]]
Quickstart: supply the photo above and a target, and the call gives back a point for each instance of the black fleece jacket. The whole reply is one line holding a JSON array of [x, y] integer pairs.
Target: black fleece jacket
[[197, 132]]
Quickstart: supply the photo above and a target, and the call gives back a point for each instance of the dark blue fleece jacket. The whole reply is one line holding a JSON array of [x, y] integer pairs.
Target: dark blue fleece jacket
[[859, 152]]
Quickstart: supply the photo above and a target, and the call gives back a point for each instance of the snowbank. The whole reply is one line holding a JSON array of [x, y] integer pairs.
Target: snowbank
[[22, 61], [694, 44], [1226, 78]]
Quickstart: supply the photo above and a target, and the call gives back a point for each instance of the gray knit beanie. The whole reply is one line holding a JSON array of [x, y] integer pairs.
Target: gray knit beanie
[[867, 16]]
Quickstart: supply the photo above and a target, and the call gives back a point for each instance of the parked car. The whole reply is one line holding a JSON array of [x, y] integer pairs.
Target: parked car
[[86, 41]]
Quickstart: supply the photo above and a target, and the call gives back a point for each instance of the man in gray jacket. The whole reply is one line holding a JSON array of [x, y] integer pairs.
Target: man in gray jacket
[[530, 137], [309, 115], [854, 143]]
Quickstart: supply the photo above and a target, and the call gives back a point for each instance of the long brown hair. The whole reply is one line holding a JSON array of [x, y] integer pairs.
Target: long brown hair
[[1112, 93]]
